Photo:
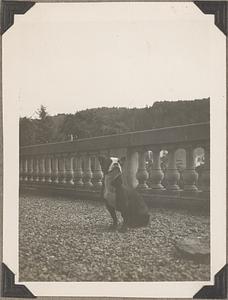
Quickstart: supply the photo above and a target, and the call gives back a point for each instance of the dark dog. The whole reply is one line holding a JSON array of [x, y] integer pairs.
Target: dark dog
[[119, 198]]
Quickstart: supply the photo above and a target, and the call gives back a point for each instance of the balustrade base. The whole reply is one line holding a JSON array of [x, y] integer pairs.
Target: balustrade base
[[69, 184], [155, 191], [195, 204], [78, 186], [190, 188], [55, 182], [198, 202], [158, 187], [172, 192], [197, 195], [204, 194], [142, 188], [193, 193], [60, 190]]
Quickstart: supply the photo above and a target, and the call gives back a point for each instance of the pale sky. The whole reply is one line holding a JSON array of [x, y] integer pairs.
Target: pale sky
[[74, 56]]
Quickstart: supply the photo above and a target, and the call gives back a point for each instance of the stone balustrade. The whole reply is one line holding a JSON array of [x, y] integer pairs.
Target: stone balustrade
[[75, 164]]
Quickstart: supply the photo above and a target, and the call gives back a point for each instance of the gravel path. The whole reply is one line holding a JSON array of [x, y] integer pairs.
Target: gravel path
[[67, 240]]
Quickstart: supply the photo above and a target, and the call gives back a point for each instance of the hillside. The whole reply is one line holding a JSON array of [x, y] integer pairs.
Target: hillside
[[104, 121]]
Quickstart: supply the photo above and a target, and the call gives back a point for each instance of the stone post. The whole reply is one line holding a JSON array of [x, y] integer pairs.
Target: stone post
[[30, 169], [172, 175], [48, 171], [42, 169], [205, 179], [55, 169], [88, 175], [97, 174], [142, 174], [190, 176], [69, 169], [20, 169], [155, 173], [36, 169], [78, 174], [25, 169], [62, 169]]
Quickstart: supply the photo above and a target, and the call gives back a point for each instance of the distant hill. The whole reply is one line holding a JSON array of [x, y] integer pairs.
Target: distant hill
[[104, 121]]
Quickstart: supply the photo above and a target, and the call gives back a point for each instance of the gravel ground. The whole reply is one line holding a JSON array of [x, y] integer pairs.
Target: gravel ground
[[69, 240]]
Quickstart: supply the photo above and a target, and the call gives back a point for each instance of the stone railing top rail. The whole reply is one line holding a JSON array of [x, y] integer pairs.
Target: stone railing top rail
[[196, 133]]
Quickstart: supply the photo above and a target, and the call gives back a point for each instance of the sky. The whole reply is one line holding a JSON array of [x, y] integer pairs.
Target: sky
[[73, 56]]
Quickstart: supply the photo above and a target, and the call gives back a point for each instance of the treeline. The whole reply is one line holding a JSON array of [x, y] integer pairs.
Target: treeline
[[105, 121]]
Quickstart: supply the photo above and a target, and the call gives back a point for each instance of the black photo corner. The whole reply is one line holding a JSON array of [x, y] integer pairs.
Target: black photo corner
[[9, 288]]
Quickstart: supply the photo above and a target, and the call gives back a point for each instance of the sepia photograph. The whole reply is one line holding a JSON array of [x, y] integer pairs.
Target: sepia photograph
[[115, 120]]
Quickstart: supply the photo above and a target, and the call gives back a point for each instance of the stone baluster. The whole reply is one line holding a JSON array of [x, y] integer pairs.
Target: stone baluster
[[78, 174], [205, 178], [190, 176], [88, 175], [62, 169], [48, 170], [25, 169], [42, 169], [36, 169], [97, 174], [21, 169], [55, 169], [172, 175], [155, 172], [142, 174], [30, 169], [69, 169]]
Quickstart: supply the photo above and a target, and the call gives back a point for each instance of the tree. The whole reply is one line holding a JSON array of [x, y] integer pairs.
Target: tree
[[27, 132], [42, 112], [113, 120], [44, 126]]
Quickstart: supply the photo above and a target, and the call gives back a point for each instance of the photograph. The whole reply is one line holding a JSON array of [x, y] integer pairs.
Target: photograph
[[114, 133]]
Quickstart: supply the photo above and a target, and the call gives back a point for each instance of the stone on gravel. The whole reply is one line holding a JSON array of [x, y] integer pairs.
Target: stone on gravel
[[194, 248]]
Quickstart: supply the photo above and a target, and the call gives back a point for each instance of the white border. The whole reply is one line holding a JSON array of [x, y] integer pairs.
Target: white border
[[117, 289]]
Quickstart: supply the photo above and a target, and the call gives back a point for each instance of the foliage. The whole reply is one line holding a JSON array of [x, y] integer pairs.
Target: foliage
[[44, 126], [27, 132], [115, 120], [42, 113]]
